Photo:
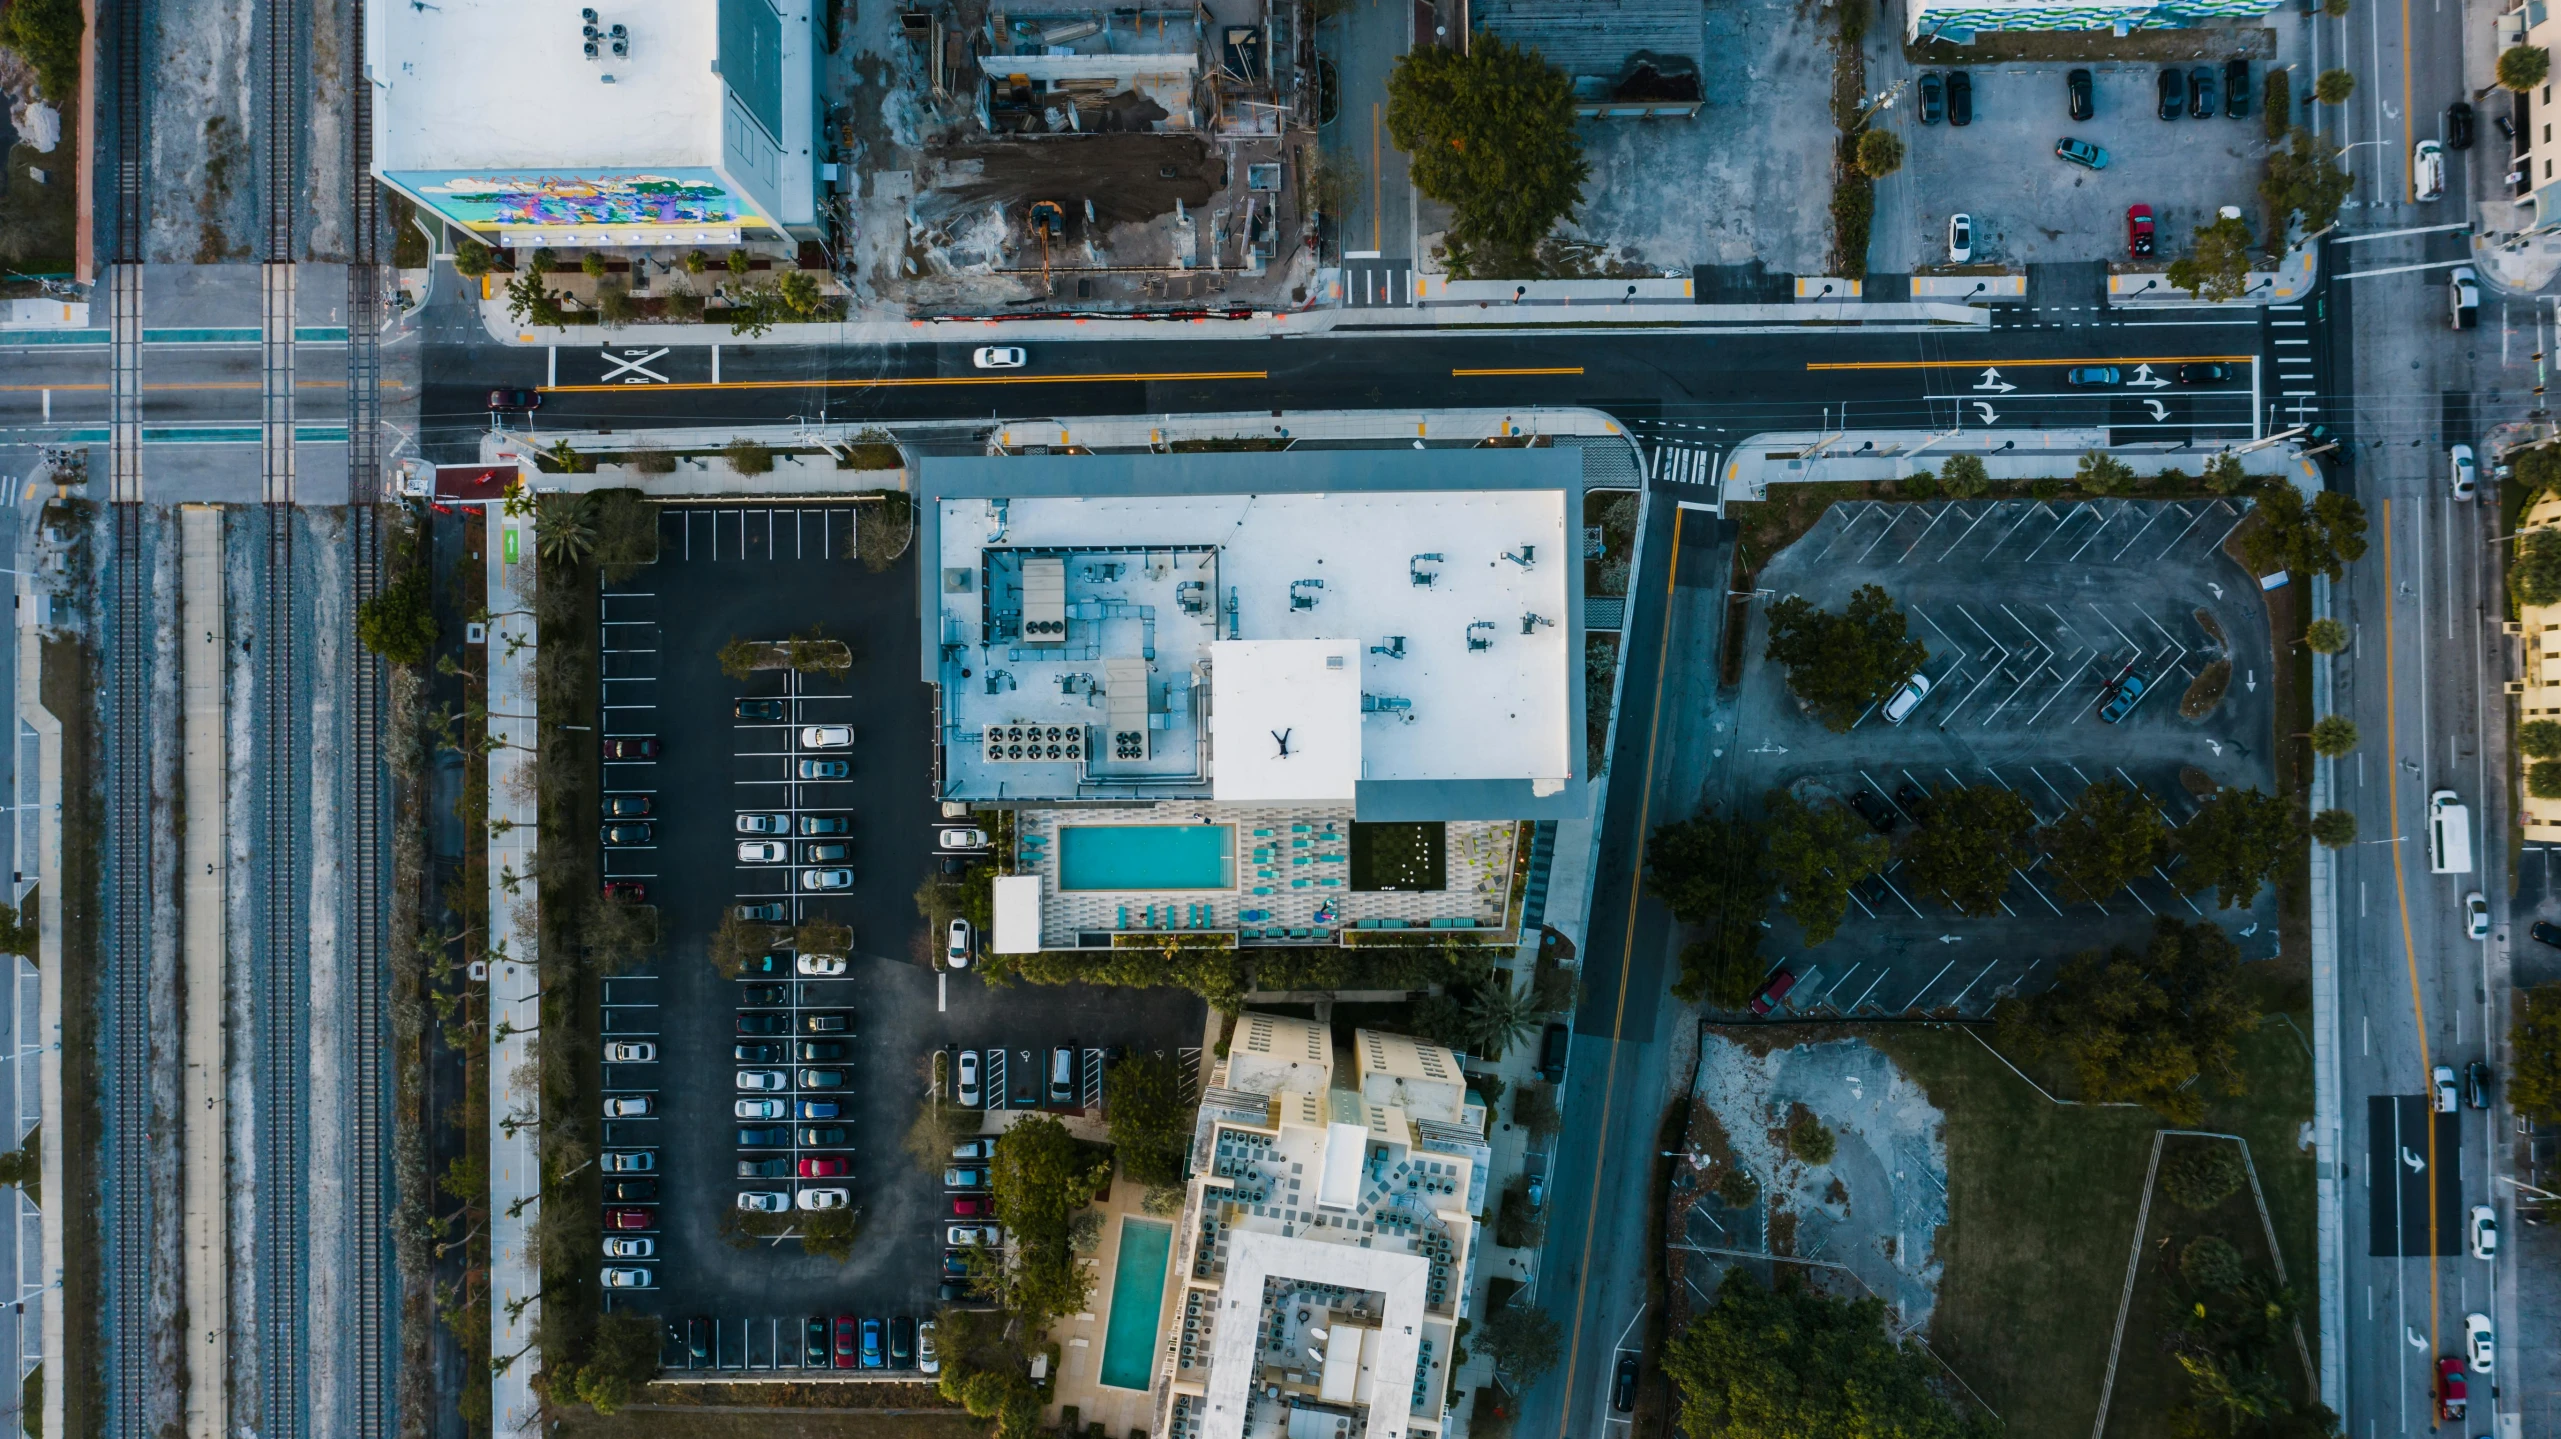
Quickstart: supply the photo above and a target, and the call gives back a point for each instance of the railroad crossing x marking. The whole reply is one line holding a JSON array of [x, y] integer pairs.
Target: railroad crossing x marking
[[634, 363]]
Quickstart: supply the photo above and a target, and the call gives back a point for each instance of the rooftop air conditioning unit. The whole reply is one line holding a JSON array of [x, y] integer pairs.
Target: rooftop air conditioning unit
[[1020, 743]]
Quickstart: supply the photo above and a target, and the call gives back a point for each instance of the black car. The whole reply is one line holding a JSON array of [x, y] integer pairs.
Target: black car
[[1960, 98], [765, 1136], [760, 709], [2201, 93], [2203, 374], [631, 747], [2476, 1084], [902, 1342], [814, 1352], [2236, 88], [2174, 93], [2458, 125], [519, 399], [1914, 801], [620, 834], [626, 806], [765, 994], [1623, 1388], [764, 1169], [770, 912], [2546, 932], [817, 824], [1933, 98], [954, 864], [765, 1021], [1551, 1053], [631, 1189], [762, 1053], [819, 1049], [698, 1339], [2076, 86], [1874, 811], [829, 1136], [951, 1293]]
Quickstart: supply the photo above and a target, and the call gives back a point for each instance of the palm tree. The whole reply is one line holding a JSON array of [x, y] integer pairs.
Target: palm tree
[[565, 529], [1498, 1015]]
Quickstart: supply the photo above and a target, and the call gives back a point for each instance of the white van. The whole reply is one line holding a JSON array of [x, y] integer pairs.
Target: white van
[[2449, 835]]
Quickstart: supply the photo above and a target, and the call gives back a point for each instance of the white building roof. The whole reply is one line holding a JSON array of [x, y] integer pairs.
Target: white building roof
[[473, 84], [1285, 720], [1256, 1255], [1017, 927]]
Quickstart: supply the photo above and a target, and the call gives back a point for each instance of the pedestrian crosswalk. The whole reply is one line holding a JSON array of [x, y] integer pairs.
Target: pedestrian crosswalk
[[1676, 464], [2292, 387]]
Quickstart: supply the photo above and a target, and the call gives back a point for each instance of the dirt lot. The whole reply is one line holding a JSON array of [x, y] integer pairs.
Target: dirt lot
[[1122, 176]]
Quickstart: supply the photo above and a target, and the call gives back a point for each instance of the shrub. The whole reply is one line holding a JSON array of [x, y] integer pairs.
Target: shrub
[[748, 457], [740, 262], [2334, 828], [2048, 489], [1737, 1187], [2276, 112], [2334, 87], [593, 263], [399, 622], [2203, 1175], [2544, 780], [2540, 739], [472, 259], [651, 460], [696, 262], [2103, 474], [2535, 577], [2211, 1263], [1964, 476], [2224, 475], [685, 306], [1919, 485], [615, 306], [47, 33]]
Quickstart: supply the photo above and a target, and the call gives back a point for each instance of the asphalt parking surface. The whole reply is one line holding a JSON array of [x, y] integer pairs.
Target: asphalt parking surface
[[2029, 610], [765, 572]]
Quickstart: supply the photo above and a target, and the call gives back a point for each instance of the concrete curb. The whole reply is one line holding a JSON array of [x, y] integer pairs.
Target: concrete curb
[[515, 981], [1872, 456], [2330, 1248], [49, 960]]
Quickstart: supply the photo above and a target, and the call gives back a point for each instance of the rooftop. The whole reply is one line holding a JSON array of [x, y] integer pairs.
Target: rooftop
[[485, 84]]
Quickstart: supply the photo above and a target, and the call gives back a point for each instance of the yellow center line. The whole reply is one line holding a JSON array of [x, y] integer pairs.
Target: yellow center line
[[2023, 364], [900, 384], [1525, 370], [1626, 961], [2409, 947]]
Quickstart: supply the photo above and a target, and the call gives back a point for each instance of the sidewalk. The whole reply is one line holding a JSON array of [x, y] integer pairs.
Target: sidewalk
[[1871, 456], [2284, 285], [515, 983]]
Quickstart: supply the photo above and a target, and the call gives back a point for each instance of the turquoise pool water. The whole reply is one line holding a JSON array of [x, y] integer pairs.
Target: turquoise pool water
[[1138, 1301], [1146, 856]]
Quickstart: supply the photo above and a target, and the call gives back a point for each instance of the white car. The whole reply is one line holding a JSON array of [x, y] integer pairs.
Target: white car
[[956, 944], [826, 736], [824, 1198], [2467, 475], [1899, 707], [2484, 1232], [997, 357], [2478, 1346], [929, 1360], [629, 1161], [2427, 169], [630, 1248], [765, 1201], [761, 1109], [821, 966], [983, 1147], [628, 1279], [966, 1089], [2476, 916], [972, 1236], [2463, 296], [628, 1106], [826, 879], [964, 839], [761, 851], [764, 824], [627, 1052], [2441, 1087], [772, 1079], [1960, 239]]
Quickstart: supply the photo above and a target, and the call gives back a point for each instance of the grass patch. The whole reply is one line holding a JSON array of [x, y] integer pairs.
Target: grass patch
[[1400, 856], [2206, 690], [2041, 1206], [39, 224], [69, 686], [2096, 45]]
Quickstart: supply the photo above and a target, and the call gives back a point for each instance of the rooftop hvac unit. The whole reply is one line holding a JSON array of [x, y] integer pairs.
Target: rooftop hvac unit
[[1035, 744]]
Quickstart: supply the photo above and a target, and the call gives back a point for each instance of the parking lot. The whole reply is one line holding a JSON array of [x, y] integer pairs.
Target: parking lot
[[2035, 617], [834, 1065]]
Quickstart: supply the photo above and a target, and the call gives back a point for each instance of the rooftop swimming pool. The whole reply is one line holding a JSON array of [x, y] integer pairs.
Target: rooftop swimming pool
[[1146, 857], [1138, 1302]]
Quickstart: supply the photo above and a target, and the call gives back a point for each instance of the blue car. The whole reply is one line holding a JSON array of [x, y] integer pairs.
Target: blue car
[[2082, 152], [2092, 375], [873, 1355], [821, 1109], [777, 1136], [2121, 704]]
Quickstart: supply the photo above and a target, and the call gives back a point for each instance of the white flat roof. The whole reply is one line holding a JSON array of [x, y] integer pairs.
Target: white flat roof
[[1256, 1255], [487, 84], [1285, 720], [1017, 927]]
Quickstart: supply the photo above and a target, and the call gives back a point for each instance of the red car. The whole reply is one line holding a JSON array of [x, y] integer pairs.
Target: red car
[[848, 1343], [2450, 1386], [963, 1207], [1774, 991], [629, 891], [822, 1167], [629, 1219], [631, 747], [2138, 231]]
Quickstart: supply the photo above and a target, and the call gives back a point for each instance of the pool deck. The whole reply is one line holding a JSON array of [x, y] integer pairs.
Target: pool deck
[[1310, 868], [1081, 1336]]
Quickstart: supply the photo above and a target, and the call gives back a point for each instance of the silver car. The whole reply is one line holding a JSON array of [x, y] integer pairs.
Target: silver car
[[826, 879], [764, 824]]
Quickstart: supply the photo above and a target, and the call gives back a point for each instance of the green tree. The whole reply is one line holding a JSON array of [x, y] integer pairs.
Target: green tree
[[1794, 1363], [829, 1233], [594, 264], [1809, 1141], [1534, 1109], [1491, 130], [2202, 1175], [1151, 1124], [621, 1358], [1841, 664], [735, 941], [2109, 836], [530, 302], [1880, 153], [1498, 1016], [2537, 467], [2209, 1262], [2521, 67], [2535, 576], [2150, 1027], [2334, 87], [565, 529], [1707, 870], [798, 292], [1523, 1340], [2543, 779], [754, 308], [2314, 539], [1736, 1187], [1818, 853], [2232, 843], [2103, 474], [2217, 264], [1040, 1178], [1969, 844], [19, 929], [1964, 477], [2534, 1038], [47, 33], [739, 261], [2276, 107], [2540, 739], [2305, 179], [472, 259], [2224, 475], [2334, 828], [2333, 736], [2330, 637], [738, 658], [398, 622]]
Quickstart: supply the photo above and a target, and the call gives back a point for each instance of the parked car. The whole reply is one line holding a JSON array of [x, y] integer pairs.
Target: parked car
[[631, 747], [929, 1360], [2467, 476], [1774, 991], [820, 879], [629, 1161], [821, 1109], [826, 736], [998, 357], [1933, 98], [1623, 1385], [873, 1355], [963, 839], [823, 966], [957, 1177], [971, 1236], [624, 1051], [2174, 93], [764, 824], [902, 1342], [822, 1079], [815, 1199], [816, 824], [627, 806], [2427, 170], [2080, 152], [2236, 88], [1062, 1074], [517, 398], [767, 912], [2463, 296], [761, 851], [2482, 1232], [2476, 1084], [631, 1218], [764, 1201], [956, 943], [2476, 916], [629, 833], [2201, 93], [827, 1021], [1868, 807], [2204, 374], [821, 1051], [630, 1248], [1913, 800], [2441, 1088], [776, 1168], [2077, 97], [2478, 1347], [764, 1021], [632, 1189], [848, 1346], [1906, 698], [762, 709], [769, 1080], [761, 1109], [627, 1279], [2084, 376], [2127, 693], [823, 1166], [825, 769], [983, 1147], [813, 1342], [1960, 239], [1553, 1044], [1960, 98], [831, 851], [764, 994], [765, 1136], [2450, 1394], [955, 1264], [765, 1052], [2458, 125], [2138, 231], [629, 1106], [965, 1206], [829, 1137], [698, 1338]]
